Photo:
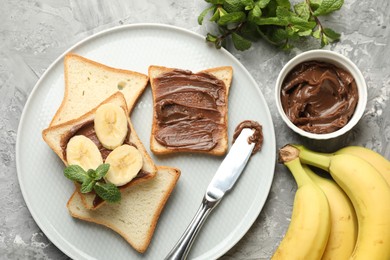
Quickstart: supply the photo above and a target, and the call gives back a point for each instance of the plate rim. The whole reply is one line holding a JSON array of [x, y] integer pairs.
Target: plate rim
[[31, 95]]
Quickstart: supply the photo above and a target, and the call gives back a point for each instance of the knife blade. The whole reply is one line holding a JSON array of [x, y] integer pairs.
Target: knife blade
[[224, 179]]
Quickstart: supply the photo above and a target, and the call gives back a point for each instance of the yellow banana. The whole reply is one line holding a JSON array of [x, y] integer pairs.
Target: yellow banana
[[375, 159], [380, 163], [344, 229], [309, 229], [370, 196]]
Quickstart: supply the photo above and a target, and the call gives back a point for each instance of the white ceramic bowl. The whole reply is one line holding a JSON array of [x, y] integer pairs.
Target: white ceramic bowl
[[339, 61]]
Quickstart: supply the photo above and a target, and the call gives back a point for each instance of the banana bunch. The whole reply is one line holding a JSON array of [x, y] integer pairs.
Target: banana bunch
[[358, 202], [111, 128], [310, 224]]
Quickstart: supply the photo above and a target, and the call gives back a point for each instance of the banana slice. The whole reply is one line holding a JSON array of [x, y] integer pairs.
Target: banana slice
[[110, 125], [125, 163], [83, 152]]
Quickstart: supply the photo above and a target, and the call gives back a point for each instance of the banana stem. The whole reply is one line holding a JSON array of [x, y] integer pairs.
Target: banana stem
[[298, 172], [289, 156], [307, 156], [288, 153]]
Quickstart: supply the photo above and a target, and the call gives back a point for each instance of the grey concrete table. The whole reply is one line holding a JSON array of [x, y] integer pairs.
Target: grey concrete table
[[34, 33]]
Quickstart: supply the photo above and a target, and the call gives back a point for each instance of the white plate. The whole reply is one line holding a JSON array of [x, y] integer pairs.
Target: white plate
[[135, 47]]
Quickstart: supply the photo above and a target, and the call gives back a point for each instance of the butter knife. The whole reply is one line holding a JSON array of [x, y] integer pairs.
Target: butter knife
[[224, 179]]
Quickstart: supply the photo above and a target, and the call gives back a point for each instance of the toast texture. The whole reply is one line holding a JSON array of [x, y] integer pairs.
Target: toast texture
[[224, 74], [135, 217], [88, 83], [57, 136]]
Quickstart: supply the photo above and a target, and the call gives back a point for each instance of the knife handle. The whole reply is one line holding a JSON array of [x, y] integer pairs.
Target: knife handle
[[183, 246]]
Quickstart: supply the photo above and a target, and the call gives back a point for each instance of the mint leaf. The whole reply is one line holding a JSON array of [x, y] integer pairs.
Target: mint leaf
[[252, 18], [75, 173], [101, 171], [271, 8], [240, 43], [328, 6], [267, 36], [332, 35], [211, 38], [262, 3], [221, 11], [233, 17], [215, 16], [203, 14], [324, 40], [91, 174], [284, 3], [317, 34], [279, 36], [233, 6], [271, 21], [314, 4], [249, 4], [302, 10], [301, 24], [249, 31], [256, 12], [87, 185], [291, 33], [305, 33], [283, 14], [107, 191]]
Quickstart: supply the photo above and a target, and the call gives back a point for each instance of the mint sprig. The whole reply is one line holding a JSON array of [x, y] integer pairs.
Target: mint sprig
[[92, 180], [279, 22]]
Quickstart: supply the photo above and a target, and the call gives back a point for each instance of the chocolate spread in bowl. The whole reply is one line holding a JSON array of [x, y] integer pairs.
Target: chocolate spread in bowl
[[190, 110], [319, 97]]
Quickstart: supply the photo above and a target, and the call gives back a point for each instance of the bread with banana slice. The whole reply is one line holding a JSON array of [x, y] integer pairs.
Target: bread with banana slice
[[103, 135]]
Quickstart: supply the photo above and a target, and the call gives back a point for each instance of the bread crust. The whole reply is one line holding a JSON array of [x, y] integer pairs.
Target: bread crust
[[224, 73], [163, 185]]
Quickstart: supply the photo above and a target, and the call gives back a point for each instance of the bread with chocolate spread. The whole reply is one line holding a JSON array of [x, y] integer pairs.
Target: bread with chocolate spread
[[190, 110], [88, 83], [135, 217], [59, 138]]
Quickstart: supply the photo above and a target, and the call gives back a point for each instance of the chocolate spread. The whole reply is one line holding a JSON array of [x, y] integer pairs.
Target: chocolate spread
[[319, 97], [256, 138], [88, 130], [190, 110]]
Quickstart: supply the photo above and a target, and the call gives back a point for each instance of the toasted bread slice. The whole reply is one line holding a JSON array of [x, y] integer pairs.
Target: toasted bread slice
[[135, 216], [223, 74], [57, 137], [88, 83]]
